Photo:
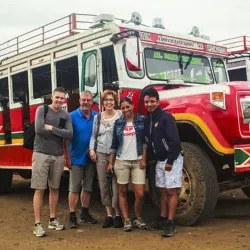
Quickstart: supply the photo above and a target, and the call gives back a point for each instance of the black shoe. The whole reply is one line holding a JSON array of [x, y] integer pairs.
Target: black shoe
[[72, 222], [87, 218], [108, 222], [158, 224], [118, 222], [169, 230]]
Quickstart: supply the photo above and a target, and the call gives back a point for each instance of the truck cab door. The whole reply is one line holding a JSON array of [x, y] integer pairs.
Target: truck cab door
[[89, 75]]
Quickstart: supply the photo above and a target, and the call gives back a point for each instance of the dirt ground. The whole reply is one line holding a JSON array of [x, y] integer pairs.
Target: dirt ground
[[229, 229]]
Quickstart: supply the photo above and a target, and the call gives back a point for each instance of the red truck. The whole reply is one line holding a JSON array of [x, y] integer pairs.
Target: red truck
[[189, 72]]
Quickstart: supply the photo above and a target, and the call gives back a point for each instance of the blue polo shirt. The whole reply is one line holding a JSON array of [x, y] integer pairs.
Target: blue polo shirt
[[79, 144]]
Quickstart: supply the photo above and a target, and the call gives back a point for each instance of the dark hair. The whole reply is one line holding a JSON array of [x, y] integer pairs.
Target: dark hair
[[151, 92], [126, 99], [59, 89]]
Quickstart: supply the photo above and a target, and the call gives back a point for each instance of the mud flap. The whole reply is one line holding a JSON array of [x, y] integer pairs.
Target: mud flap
[[242, 158]]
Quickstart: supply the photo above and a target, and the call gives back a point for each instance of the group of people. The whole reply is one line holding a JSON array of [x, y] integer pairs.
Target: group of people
[[114, 144]]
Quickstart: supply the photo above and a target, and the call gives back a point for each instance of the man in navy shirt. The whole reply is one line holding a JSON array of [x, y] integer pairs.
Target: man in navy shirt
[[82, 169], [164, 141]]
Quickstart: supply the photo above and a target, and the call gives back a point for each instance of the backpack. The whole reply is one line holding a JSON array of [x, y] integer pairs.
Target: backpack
[[30, 133]]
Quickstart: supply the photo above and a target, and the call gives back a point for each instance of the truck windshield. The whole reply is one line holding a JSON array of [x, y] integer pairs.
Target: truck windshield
[[219, 70], [163, 65]]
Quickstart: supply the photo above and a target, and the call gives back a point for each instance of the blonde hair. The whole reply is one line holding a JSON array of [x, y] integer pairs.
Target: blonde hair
[[109, 92]]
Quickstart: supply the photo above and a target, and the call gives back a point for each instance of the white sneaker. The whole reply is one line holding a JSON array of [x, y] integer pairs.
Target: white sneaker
[[55, 224], [39, 231], [139, 223]]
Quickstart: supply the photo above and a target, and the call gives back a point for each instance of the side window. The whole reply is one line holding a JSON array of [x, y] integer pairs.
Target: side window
[[67, 75], [90, 71], [41, 78], [109, 69], [219, 70], [4, 93], [20, 87], [133, 74]]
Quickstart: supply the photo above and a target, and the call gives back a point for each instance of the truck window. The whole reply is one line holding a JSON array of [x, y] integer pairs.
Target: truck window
[[41, 79], [20, 87], [238, 74], [219, 70], [4, 93], [133, 74], [164, 65], [90, 71], [4, 102], [109, 70], [67, 75]]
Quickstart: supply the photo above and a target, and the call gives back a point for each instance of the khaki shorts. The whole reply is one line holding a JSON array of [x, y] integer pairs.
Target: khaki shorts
[[123, 170], [81, 177], [46, 169]]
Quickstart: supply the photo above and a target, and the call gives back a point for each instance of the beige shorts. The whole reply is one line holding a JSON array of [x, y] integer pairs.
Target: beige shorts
[[46, 169], [123, 170]]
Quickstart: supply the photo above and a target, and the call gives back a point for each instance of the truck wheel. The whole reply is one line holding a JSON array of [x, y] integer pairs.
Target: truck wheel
[[246, 191], [5, 180], [198, 195]]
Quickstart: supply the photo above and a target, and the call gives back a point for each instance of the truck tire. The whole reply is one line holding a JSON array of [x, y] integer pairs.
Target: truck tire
[[198, 195], [5, 180], [246, 191]]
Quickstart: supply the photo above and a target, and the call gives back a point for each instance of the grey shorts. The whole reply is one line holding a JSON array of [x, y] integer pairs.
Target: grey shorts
[[46, 169], [81, 177], [169, 179]]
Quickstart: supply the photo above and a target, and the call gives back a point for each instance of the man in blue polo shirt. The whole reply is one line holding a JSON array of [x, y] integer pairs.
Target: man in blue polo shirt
[[82, 168]]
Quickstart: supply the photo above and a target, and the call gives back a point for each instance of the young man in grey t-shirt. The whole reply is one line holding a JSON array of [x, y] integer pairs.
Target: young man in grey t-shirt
[[48, 157]]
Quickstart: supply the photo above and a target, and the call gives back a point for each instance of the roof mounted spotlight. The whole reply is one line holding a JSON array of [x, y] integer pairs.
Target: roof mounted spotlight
[[158, 23], [195, 31], [136, 18]]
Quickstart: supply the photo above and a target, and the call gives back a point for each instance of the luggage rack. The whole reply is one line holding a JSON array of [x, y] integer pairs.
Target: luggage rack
[[237, 46], [239, 55], [61, 28]]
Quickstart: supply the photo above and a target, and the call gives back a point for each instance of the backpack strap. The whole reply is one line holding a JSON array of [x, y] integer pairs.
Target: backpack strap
[[97, 129], [46, 109]]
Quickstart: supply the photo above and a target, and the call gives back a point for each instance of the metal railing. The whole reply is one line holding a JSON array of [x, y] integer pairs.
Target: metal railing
[[61, 28], [50, 32], [236, 45]]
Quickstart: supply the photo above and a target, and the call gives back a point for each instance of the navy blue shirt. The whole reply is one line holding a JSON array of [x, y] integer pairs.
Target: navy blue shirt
[[163, 136], [79, 144]]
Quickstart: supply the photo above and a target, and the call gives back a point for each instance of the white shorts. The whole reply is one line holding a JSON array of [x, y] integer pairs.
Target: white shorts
[[169, 179]]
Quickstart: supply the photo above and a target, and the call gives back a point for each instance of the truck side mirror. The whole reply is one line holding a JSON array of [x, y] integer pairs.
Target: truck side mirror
[[133, 52]]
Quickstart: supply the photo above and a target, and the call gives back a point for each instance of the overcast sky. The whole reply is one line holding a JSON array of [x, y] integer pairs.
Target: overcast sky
[[218, 19]]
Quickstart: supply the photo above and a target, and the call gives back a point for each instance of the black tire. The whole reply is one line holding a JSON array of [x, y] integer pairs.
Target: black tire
[[198, 195], [246, 191], [5, 180]]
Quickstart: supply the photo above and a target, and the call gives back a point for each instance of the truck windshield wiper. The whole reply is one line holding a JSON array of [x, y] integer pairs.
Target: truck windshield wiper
[[180, 62], [189, 60]]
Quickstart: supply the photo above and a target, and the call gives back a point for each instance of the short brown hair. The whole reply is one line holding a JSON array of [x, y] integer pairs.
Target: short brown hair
[[109, 92], [59, 89]]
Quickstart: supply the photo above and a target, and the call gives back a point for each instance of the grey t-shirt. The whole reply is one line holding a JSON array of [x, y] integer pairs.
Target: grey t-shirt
[[51, 142]]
